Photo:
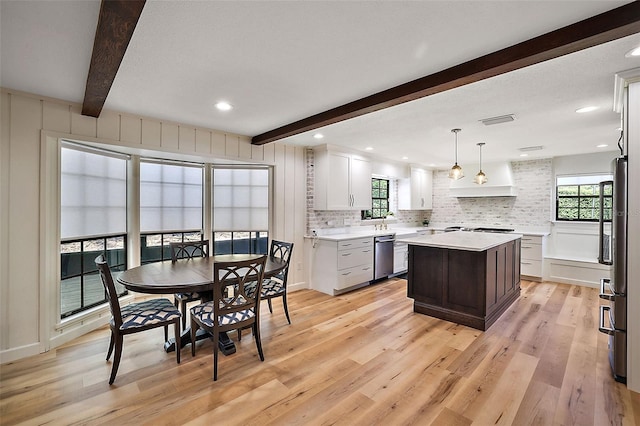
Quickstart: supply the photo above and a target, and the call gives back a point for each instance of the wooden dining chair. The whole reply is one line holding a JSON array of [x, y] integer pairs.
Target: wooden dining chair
[[276, 286], [135, 317], [187, 250], [235, 303]]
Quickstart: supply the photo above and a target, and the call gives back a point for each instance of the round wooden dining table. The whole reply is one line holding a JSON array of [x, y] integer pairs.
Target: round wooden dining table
[[188, 276]]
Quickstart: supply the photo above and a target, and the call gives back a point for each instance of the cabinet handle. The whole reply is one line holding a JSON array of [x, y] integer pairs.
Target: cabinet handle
[[527, 247], [422, 202], [366, 269], [526, 263], [602, 328], [366, 251], [346, 273], [346, 254]]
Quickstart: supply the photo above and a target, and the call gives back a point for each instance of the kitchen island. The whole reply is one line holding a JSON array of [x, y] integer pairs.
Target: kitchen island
[[469, 278]]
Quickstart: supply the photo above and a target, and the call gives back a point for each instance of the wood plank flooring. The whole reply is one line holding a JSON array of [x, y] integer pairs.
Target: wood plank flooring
[[362, 358]]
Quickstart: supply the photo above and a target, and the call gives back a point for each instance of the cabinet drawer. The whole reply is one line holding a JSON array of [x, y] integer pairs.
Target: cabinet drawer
[[532, 268], [352, 276], [531, 251], [355, 257], [531, 239], [357, 243]]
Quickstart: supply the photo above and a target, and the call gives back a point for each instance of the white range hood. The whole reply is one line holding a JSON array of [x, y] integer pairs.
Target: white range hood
[[500, 181]]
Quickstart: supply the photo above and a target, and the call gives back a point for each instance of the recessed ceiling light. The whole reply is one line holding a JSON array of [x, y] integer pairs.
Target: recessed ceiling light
[[405, 158], [318, 136], [223, 106], [369, 148], [602, 145], [432, 165], [633, 52], [586, 109], [524, 155]]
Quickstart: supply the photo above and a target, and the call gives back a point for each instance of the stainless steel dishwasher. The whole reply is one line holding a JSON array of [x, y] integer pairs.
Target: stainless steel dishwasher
[[383, 260]]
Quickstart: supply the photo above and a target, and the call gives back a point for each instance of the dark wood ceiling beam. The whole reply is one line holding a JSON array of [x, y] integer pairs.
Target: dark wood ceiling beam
[[116, 23], [599, 29]]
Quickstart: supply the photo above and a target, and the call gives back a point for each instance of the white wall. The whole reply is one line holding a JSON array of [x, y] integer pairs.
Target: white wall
[[29, 323]]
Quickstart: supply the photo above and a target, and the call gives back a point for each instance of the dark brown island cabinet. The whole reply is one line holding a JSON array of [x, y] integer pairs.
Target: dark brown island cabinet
[[454, 278]]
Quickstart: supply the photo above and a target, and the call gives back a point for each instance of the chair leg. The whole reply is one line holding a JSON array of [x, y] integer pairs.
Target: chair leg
[[286, 309], [184, 314], [176, 332], [194, 328], [110, 350], [239, 334], [270, 307], [256, 335], [116, 358], [166, 333], [215, 357]]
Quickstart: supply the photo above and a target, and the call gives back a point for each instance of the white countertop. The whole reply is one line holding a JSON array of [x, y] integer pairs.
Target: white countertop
[[462, 240], [353, 234]]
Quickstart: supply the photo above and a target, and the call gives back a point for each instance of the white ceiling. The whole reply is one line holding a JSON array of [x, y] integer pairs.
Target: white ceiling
[[277, 62]]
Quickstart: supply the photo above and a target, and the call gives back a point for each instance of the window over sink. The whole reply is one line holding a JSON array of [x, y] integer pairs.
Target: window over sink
[[379, 199]]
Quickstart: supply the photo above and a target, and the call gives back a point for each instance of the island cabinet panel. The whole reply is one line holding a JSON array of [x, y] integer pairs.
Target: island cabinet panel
[[463, 270], [472, 288], [430, 266]]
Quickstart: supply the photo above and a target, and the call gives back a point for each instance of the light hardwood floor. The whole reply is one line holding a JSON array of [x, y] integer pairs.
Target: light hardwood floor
[[358, 359]]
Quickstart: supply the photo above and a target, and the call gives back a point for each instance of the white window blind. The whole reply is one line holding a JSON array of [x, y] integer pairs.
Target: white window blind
[[170, 197], [93, 192], [240, 199]]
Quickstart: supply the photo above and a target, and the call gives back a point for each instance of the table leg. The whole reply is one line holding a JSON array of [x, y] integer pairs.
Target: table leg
[[226, 345]]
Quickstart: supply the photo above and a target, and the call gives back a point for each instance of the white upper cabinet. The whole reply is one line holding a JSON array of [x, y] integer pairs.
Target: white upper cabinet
[[415, 193], [342, 181]]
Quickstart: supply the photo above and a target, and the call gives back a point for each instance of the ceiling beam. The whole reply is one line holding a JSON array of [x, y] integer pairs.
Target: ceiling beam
[[599, 29], [116, 23]]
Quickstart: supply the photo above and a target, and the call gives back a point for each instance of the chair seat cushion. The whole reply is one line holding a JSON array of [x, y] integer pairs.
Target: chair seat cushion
[[148, 312], [272, 288], [204, 312], [188, 297]]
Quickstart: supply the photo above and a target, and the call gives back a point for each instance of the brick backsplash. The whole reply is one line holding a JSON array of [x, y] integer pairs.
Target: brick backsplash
[[319, 219], [529, 210]]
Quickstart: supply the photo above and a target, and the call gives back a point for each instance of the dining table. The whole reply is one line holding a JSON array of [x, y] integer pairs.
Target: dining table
[[189, 276]]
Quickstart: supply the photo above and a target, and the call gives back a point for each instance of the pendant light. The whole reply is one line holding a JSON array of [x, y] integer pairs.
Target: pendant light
[[456, 171], [480, 177]]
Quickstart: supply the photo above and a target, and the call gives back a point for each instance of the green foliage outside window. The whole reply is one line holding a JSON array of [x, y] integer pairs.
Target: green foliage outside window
[[379, 200], [582, 202]]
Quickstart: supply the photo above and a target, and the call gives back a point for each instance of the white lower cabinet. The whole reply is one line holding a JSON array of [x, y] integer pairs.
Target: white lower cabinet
[[400, 257], [339, 266], [531, 255]]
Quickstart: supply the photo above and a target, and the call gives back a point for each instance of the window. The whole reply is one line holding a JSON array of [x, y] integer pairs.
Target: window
[[170, 206], [93, 221], [240, 210], [578, 198], [379, 199]]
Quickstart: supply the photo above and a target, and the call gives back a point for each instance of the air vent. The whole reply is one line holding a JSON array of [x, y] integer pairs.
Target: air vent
[[531, 148], [498, 120]]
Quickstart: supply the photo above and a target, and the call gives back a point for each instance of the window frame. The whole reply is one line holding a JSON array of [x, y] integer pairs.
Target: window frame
[[594, 196], [368, 214], [88, 272]]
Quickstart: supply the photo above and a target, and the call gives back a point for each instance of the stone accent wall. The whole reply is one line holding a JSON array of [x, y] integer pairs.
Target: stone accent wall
[[319, 219], [531, 209]]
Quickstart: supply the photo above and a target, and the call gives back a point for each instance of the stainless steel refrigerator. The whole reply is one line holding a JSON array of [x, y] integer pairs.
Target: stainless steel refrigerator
[[613, 251]]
